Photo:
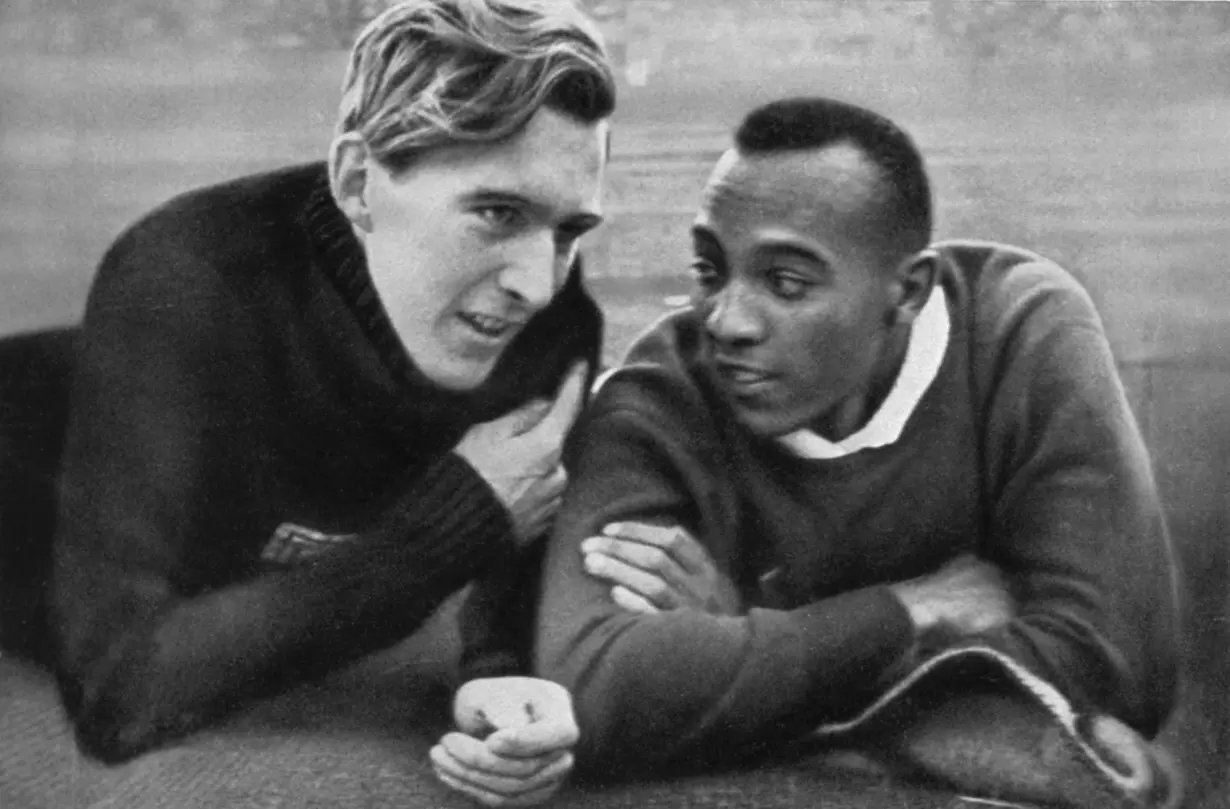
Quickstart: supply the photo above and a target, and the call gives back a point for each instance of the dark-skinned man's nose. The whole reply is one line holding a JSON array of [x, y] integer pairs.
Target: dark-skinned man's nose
[[732, 319]]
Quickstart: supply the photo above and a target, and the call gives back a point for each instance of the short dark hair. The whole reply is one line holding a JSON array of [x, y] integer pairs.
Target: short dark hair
[[794, 124]]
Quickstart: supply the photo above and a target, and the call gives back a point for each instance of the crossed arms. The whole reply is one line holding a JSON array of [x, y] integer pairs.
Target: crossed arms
[[1074, 525]]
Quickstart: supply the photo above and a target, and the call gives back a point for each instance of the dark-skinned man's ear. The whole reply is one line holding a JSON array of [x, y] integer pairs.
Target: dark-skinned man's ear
[[915, 279]]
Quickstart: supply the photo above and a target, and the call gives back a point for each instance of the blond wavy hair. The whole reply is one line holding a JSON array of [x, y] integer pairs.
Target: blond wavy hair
[[430, 73]]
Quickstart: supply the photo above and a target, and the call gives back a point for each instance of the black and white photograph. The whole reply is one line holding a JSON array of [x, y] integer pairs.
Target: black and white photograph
[[615, 403]]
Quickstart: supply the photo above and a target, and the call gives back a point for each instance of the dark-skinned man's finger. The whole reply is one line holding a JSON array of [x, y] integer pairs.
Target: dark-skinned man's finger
[[671, 539], [476, 755], [630, 601], [648, 585], [645, 532], [639, 555]]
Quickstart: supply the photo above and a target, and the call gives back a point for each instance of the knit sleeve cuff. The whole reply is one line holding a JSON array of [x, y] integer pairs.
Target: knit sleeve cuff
[[868, 630], [453, 509], [452, 519]]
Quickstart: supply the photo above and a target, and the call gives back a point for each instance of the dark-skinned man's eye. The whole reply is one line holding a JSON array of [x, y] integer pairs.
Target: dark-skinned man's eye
[[787, 284]]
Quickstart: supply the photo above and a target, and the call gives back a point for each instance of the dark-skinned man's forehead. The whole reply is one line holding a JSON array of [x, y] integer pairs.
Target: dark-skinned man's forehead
[[827, 196], [835, 179]]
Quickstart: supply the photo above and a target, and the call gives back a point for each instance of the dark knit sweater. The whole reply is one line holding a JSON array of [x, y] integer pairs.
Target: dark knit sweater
[[1023, 450], [238, 376]]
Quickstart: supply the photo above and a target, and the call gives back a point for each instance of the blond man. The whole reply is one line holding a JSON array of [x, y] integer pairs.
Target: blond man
[[310, 404]]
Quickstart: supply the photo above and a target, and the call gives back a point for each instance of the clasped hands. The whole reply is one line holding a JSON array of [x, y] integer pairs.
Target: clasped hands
[[513, 743], [514, 737]]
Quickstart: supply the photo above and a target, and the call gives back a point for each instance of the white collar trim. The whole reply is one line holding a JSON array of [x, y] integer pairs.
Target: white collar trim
[[923, 357]]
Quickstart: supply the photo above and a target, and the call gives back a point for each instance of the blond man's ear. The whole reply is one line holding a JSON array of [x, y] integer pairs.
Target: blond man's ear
[[349, 175]]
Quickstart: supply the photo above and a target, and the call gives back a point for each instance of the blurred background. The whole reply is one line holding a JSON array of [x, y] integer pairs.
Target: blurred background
[[1095, 133]]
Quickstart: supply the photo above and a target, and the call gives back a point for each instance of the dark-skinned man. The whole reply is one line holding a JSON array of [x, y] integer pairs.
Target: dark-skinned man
[[867, 489]]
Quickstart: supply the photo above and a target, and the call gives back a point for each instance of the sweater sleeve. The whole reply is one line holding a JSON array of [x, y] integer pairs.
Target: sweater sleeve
[[1075, 519], [653, 691], [155, 637], [496, 620]]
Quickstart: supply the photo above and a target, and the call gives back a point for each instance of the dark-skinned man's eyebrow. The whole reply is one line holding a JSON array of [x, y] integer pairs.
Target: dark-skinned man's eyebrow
[[785, 248], [792, 250]]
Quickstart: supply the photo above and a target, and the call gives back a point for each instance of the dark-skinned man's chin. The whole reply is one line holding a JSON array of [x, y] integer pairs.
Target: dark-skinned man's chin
[[766, 422]]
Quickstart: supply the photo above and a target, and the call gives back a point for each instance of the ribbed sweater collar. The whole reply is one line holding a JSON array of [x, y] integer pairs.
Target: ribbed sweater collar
[[339, 255]]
